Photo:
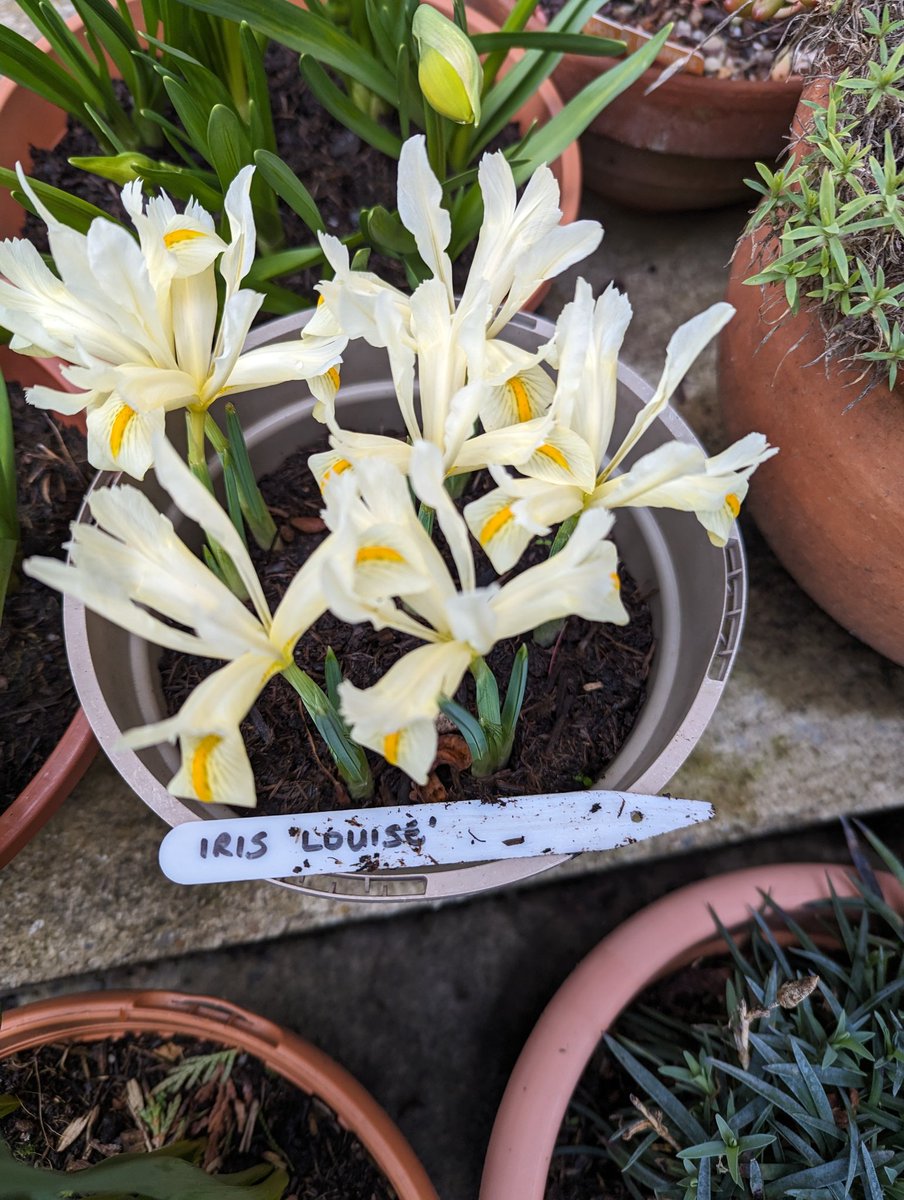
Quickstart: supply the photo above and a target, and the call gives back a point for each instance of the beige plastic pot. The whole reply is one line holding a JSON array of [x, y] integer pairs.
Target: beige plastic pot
[[656, 941], [697, 594], [73, 753], [91, 1016]]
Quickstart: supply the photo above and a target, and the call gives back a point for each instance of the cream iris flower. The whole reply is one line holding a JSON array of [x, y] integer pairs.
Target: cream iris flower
[[571, 471], [454, 349], [139, 323], [380, 550], [132, 564]]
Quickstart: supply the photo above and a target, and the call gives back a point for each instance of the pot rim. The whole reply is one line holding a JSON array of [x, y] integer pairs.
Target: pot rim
[[91, 1016], [73, 753], [405, 885], [658, 939]]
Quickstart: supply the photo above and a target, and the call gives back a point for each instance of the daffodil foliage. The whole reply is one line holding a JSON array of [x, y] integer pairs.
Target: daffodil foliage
[[469, 399]]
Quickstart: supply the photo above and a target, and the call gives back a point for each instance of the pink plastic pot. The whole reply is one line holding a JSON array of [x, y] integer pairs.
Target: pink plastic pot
[[657, 940]]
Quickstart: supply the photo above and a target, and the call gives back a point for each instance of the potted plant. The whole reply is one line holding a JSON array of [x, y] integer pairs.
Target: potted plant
[[576, 463], [742, 1079], [688, 140], [207, 1079], [813, 356], [212, 135], [58, 745]]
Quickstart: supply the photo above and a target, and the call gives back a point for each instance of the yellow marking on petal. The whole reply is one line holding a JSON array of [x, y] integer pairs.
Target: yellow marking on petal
[[120, 425], [378, 554], [333, 376], [340, 465], [391, 747], [176, 236], [496, 522], [556, 455], [320, 300], [733, 503], [616, 582], [200, 766], [522, 399]]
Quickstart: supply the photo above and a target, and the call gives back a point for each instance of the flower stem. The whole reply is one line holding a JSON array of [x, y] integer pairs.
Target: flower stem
[[217, 559]]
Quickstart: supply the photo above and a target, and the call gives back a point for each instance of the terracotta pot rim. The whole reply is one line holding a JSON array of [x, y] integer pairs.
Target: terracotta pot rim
[[93, 1015], [654, 941]]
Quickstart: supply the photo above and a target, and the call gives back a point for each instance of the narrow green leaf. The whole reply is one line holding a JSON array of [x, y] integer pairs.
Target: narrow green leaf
[[21, 62], [470, 729], [255, 510], [289, 188], [308, 33], [71, 210], [9, 524], [676, 1115], [227, 143], [344, 109], [552, 138], [8, 1104], [514, 696], [263, 135], [332, 675], [562, 43], [189, 112]]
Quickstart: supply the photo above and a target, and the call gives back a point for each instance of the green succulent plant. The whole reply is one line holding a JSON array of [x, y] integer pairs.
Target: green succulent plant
[[799, 1091], [835, 217]]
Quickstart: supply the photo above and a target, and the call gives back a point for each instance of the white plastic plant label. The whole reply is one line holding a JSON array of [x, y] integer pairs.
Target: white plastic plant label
[[419, 836]]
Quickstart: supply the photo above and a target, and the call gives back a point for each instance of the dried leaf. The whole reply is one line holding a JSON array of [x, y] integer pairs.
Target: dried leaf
[[74, 1130], [308, 524], [795, 991]]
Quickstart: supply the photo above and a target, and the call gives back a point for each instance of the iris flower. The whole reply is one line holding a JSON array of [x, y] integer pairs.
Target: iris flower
[[133, 565], [139, 323], [380, 550], [573, 470], [454, 349]]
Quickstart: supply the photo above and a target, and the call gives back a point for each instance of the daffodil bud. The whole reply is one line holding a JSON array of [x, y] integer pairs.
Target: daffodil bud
[[449, 71]]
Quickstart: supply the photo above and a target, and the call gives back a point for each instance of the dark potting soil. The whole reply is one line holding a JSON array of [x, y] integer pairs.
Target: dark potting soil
[[83, 1103], [583, 693], [580, 1168], [37, 700], [735, 49]]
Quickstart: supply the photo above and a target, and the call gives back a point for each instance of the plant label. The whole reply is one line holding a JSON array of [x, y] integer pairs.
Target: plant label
[[419, 836]]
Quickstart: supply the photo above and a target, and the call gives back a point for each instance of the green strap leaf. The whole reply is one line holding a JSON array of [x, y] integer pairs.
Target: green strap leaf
[[562, 43], [469, 728], [343, 108], [71, 210], [158, 1175], [24, 64], [289, 187], [308, 33], [227, 143]]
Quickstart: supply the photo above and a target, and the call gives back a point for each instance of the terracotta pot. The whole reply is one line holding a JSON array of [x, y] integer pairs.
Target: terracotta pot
[[697, 598], [829, 504], [656, 941], [26, 121], [91, 1016], [688, 145], [72, 755]]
